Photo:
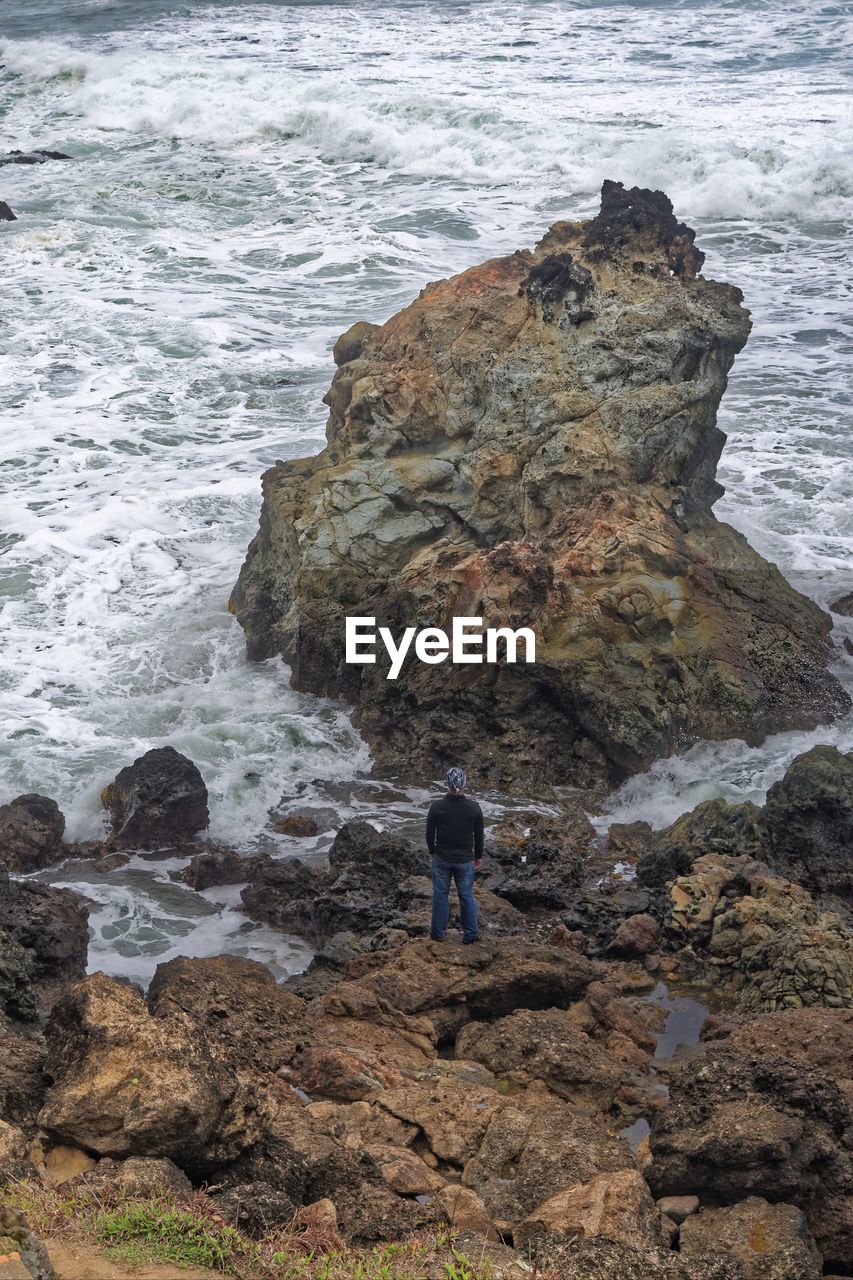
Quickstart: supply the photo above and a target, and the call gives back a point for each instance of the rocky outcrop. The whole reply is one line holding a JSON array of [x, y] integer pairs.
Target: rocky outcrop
[[809, 819], [741, 1125], [159, 800], [126, 1083], [44, 941], [617, 1205], [6, 214], [31, 830], [779, 947], [770, 1241], [533, 443]]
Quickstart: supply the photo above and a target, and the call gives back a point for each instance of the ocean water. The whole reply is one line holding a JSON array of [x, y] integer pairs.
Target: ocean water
[[247, 180]]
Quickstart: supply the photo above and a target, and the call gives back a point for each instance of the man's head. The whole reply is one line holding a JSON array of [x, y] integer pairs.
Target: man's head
[[455, 781]]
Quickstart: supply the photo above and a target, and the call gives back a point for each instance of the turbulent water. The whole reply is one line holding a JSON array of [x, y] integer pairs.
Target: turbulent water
[[247, 180]]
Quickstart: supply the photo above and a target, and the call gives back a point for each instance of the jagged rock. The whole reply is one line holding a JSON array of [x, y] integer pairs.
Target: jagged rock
[[16, 974], [817, 1037], [22, 1079], [545, 1045], [740, 1126], [293, 1154], [533, 442], [248, 1022], [50, 933], [534, 1147], [6, 214], [599, 911], [159, 800], [617, 1205], [31, 830], [366, 888], [809, 817], [771, 1241], [129, 1084], [768, 933], [219, 866], [445, 986], [255, 1208], [712, 827], [537, 861]]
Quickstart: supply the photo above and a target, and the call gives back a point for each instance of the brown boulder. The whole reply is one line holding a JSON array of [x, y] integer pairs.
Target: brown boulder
[[235, 1006], [129, 1084], [636, 936], [615, 1204], [535, 1146], [770, 1241], [556, 473], [545, 1045]]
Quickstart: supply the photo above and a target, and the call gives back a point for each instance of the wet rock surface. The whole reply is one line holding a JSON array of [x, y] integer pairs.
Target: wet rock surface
[[158, 800], [533, 442], [31, 831]]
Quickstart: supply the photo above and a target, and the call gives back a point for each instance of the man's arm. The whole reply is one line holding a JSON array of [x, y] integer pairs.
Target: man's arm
[[478, 835], [430, 830]]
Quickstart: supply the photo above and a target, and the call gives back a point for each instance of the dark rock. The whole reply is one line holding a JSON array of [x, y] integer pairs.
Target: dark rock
[[366, 888], [51, 925], [16, 976], [740, 1126], [770, 1241], [31, 830], [537, 862], [255, 1208], [160, 799], [22, 1078], [809, 818], [712, 827], [598, 912], [636, 217], [219, 866], [235, 1005], [843, 605], [602, 1259], [6, 214], [142, 1177], [32, 157]]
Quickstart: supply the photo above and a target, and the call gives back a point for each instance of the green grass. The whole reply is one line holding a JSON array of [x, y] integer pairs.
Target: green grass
[[136, 1232]]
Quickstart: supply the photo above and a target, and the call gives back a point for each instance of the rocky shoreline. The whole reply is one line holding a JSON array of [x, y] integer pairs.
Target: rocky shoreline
[[499, 1088], [643, 1068]]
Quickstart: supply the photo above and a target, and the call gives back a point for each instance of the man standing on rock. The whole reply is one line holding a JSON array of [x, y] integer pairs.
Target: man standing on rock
[[454, 833]]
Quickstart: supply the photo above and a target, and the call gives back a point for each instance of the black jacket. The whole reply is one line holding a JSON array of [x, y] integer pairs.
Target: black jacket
[[454, 829]]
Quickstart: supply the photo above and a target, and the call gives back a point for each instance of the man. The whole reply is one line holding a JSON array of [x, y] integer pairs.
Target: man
[[454, 833]]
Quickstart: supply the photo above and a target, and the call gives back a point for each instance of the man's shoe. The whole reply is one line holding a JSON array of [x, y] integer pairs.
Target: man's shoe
[[466, 942], [436, 937]]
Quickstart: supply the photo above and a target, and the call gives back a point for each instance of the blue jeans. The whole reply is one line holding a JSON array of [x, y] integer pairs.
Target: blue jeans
[[442, 874]]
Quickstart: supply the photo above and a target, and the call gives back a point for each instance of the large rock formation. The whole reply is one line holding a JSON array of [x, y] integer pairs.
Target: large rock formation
[[533, 442]]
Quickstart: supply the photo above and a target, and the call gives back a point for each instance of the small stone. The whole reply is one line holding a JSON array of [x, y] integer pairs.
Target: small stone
[[678, 1207]]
